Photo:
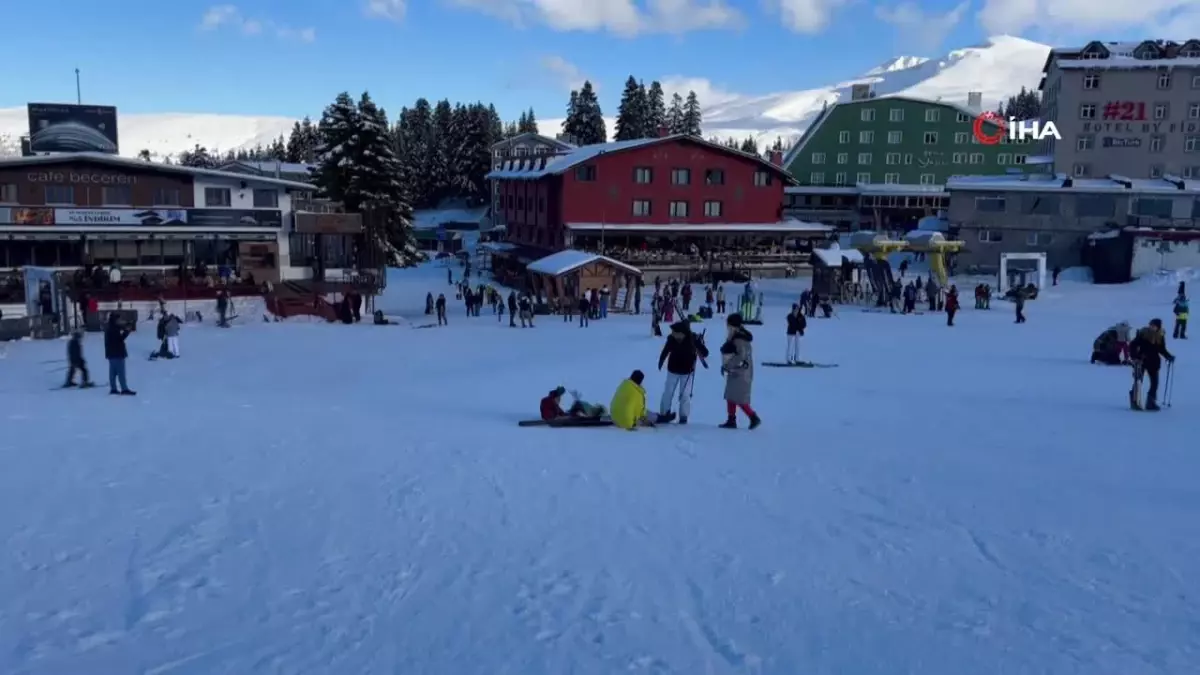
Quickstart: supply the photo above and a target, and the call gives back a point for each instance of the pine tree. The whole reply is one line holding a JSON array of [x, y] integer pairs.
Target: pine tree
[[473, 154], [337, 133], [144, 155], [631, 122], [656, 110], [570, 124], [777, 146], [278, 150], [441, 159], [522, 123], [675, 115], [293, 150], [198, 157], [691, 115], [531, 125], [1026, 105], [417, 148], [592, 129], [511, 130], [495, 123], [750, 145]]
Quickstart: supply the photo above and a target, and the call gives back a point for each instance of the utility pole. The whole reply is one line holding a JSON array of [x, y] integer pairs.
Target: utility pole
[[78, 91]]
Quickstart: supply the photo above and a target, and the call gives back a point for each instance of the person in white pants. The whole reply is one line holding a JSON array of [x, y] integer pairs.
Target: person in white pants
[[171, 329], [680, 353], [796, 323]]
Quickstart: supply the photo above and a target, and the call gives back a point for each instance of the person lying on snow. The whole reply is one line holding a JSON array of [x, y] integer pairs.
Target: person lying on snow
[[629, 403], [552, 407], [1112, 347]]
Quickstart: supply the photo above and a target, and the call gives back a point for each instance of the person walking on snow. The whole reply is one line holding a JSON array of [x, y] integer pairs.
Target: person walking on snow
[[585, 310], [1019, 303], [796, 323], [1148, 350], [680, 353], [75, 362], [721, 299], [440, 306], [604, 296], [951, 304], [171, 330], [737, 365], [116, 353], [1181, 316], [512, 309]]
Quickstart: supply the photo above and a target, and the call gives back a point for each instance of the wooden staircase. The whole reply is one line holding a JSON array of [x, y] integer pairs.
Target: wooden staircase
[[290, 299]]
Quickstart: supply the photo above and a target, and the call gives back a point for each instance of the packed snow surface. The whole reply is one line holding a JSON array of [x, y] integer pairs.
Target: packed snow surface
[[311, 498]]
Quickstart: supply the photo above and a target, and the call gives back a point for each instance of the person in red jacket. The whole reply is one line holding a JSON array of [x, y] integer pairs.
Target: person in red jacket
[[552, 407], [951, 304]]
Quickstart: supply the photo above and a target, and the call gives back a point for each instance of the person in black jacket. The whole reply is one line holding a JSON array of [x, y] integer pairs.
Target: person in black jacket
[[441, 310], [683, 347], [75, 361], [796, 323], [512, 309], [115, 352], [585, 309], [1148, 350]]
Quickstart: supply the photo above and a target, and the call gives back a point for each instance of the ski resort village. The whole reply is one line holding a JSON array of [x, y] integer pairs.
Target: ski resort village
[[898, 381]]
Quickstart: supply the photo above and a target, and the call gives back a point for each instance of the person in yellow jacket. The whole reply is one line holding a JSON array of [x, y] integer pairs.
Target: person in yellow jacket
[[628, 408]]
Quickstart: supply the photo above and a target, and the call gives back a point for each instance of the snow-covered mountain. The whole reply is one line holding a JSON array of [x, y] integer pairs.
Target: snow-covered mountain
[[997, 68]]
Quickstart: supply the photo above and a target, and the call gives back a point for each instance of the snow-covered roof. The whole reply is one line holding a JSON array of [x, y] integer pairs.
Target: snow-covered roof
[[832, 257], [431, 219], [811, 132], [821, 190], [570, 259], [795, 226], [540, 166], [135, 164], [270, 167], [1113, 62], [909, 189], [537, 138], [1035, 183]]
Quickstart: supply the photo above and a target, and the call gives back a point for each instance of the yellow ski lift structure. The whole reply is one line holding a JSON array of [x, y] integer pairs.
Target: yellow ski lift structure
[[936, 246], [876, 245]]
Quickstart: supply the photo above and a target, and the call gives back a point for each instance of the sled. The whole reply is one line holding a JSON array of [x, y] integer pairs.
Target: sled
[[426, 325], [752, 322], [798, 364], [569, 422]]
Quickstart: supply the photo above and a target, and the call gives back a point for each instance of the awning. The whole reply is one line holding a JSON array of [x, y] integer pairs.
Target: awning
[[797, 227]]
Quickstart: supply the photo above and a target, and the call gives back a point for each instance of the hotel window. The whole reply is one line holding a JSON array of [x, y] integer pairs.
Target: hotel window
[[839, 178], [1087, 111], [843, 137], [762, 179], [928, 178], [959, 158], [1161, 111], [679, 209], [977, 158], [867, 115], [818, 158], [1020, 159], [1085, 142], [167, 197], [866, 137], [1194, 111], [931, 136], [681, 176], [1003, 159], [717, 176], [1196, 82], [960, 138], [1157, 170], [1191, 143], [266, 199], [896, 115], [116, 195], [643, 175], [713, 209], [843, 158], [586, 173], [1091, 81], [1164, 80], [962, 117], [1039, 239], [8, 193], [892, 158], [1157, 143], [641, 207], [816, 178], [933, 115], [1191, 172], [864, 158], [908, 158], [217, 197], [60, 194], [863, 178], [990, 236], [895, 137], [990, 204], [891, 178]]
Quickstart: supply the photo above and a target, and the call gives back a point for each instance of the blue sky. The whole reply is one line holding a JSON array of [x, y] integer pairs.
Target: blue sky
[[290, 58]]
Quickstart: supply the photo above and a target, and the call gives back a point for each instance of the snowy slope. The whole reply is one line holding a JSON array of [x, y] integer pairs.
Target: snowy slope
[[997, 68], [328, 499]]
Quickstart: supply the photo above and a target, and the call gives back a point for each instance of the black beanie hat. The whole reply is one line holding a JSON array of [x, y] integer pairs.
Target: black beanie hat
[[734, 320], [637, 376]]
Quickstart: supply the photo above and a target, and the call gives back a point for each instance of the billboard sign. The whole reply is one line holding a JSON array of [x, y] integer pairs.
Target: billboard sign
[[150, 217], [59, 127], [25, 216], [224, 218]]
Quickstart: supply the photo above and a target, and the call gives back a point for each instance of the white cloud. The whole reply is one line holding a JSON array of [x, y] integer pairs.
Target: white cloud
[[564, 73], [708, 93], [806, 16], [229, 16], [924, 32], [393, 10], [1087, 18], [622, 17]]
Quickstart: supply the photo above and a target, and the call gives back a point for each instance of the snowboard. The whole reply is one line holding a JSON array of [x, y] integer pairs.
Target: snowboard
[[568, 423], [798, 364]]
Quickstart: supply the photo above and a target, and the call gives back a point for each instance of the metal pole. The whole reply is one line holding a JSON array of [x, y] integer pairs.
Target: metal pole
[[78, 90]]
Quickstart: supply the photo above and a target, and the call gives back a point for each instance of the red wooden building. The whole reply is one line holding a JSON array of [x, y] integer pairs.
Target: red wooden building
[[653, 196]]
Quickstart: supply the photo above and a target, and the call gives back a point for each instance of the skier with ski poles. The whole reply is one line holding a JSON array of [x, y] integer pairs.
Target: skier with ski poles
[[680, 353]]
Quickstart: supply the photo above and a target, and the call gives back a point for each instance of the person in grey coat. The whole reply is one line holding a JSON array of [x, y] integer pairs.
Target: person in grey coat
[[737, 365], [171, 330]]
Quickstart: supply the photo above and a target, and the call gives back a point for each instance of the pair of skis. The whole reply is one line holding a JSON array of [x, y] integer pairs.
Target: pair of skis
[[798, 364]]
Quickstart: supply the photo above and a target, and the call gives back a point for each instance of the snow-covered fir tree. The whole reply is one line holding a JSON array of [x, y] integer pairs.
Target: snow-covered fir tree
[[144, 155], [691, 115], [529, 124], [302, 143], [570, 124], [473, 155], [750, 145], [1025, 105], [336, 135], [591, 128], [777, 146], [9, 146], [656, 109], [445, 144], [510, 130], [631, 112], [197, 157], [675, 115], [414, 139]]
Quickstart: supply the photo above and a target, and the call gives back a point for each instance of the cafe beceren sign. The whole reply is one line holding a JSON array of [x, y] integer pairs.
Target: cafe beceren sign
[[80, 178]]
